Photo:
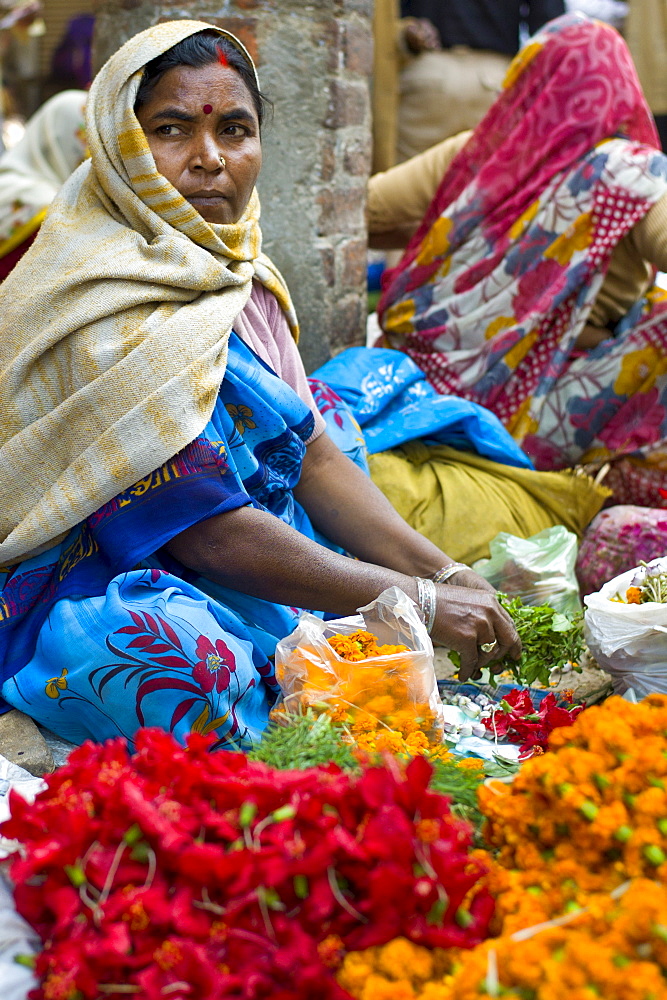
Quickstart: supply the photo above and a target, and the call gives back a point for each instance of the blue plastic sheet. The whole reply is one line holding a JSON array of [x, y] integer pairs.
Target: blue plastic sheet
[[393, 403]]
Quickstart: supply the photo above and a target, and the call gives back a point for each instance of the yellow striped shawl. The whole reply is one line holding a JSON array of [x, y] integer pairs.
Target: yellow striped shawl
[[114, 326]]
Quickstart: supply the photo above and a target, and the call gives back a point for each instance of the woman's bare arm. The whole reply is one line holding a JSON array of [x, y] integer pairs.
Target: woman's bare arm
[[256, 553]]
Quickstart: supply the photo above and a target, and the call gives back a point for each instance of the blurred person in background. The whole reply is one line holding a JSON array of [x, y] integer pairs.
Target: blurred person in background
[[71, 62], [447, 88], [395, 41], [31, 173], [528, 285], [646, 35], [20, 24]]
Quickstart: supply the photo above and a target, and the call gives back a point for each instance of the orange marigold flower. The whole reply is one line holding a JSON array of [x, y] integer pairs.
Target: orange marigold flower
[[471, 764]]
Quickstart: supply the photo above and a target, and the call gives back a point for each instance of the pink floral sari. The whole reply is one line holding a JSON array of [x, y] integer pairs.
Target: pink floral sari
[[499, 280]]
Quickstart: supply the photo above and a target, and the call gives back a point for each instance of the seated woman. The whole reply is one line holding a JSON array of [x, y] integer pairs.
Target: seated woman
[[164, 468], [528, 283], [52, 147]]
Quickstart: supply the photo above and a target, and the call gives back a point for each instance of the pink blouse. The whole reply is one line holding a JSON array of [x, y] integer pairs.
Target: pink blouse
[[263, 327]]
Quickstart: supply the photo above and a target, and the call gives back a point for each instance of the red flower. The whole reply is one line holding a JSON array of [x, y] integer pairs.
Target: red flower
[[215, 665], [178, 865], [517, 719]]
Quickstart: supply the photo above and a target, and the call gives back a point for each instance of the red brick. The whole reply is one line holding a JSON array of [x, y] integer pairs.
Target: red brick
[[332, 37], [328, 259], [358, 48], [328, 159], [348, 104], [357, 157], [341, 210], [348, 323], [352, 258]]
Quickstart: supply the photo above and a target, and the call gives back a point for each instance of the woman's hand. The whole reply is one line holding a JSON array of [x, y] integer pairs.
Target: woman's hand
[[421, 35], [469, 617], [468, 578]]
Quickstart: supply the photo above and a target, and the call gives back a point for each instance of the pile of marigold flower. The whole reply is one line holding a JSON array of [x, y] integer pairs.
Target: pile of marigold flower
[[181, 873], [381, 693], [594, 809], [580, 875], [615, 948]]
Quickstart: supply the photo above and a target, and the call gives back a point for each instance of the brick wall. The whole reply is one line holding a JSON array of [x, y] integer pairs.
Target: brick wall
[[314, 61]]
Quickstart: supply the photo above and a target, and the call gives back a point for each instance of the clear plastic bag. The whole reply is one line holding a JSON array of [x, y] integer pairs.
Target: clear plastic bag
[[629, 641], [539, 570], [398, 690]]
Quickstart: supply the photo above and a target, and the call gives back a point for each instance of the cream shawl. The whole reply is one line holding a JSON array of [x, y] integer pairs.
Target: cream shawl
[[114, 326]]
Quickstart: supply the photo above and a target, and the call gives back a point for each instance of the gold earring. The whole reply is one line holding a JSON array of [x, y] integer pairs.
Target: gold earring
[[223, 162]]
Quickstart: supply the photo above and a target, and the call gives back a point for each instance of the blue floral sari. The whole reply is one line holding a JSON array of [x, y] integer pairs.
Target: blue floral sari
[[105, 632]]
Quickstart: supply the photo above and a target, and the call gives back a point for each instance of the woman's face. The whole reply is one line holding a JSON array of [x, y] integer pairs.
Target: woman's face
[[194, 117]]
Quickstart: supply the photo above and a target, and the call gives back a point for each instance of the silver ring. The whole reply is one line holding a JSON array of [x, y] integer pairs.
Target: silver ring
[[488, 647]]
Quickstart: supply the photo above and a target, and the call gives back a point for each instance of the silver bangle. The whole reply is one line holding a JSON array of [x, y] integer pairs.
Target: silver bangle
[[427, 598], [443, 575]]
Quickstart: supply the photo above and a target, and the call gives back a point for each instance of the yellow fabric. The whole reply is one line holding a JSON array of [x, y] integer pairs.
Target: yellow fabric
[[385, 83], [646, 35], [22, 233], [461, 501], [115, 323], [400, 196]]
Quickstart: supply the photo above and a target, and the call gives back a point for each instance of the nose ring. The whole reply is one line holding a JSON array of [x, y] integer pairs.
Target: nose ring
[[223, 162]]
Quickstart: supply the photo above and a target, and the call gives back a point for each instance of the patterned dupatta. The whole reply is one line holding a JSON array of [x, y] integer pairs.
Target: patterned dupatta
[[497, 283]]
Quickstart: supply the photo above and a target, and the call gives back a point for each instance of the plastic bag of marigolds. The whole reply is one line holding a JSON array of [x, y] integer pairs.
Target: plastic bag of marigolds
[[369, 671], [625, 627]]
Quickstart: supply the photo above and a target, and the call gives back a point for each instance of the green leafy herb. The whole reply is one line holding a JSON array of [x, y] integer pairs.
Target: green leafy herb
[[308, 740], [549, 640]]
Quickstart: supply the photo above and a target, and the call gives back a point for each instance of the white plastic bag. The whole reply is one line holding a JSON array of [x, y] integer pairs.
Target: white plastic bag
[[372, 691], [539, 569], [16, 936], [629, 641]]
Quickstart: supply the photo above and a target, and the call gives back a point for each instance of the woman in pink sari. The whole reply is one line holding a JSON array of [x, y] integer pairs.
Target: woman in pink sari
[[528, 286]]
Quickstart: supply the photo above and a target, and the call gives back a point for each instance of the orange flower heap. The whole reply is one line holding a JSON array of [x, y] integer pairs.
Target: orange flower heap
[[612, 948], [399, 970], [596, 805], [616, 949]]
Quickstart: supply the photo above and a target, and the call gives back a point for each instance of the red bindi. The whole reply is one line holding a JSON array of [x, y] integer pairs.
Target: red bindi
[[207, 109]]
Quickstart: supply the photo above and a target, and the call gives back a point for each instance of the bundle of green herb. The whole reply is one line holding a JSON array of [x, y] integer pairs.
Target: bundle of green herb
[[303, 741], [549, 639]]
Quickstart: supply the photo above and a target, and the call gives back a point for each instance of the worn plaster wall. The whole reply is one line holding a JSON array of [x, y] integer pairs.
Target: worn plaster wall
[[314, 60]]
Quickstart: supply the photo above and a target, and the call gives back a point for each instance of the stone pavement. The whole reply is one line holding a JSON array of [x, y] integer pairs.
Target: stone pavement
[[22, 743]]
